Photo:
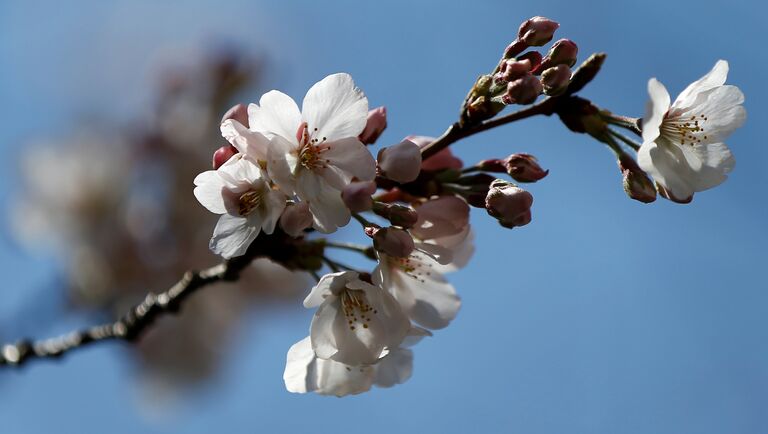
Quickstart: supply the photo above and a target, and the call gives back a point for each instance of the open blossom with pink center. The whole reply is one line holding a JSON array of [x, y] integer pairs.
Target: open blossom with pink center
[[313, 153], [355, 320], [683, 147], [417, 283], [245, 200], [305, 372]]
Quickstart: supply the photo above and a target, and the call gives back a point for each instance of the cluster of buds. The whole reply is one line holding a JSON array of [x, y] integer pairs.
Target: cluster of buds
[[521, 76]]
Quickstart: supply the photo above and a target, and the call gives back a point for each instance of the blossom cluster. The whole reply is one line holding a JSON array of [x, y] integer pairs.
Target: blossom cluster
[[306, 172]]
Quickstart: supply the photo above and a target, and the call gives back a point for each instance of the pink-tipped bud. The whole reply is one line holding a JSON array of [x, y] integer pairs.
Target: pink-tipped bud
[[239, 113], [523, 91], [357, 195], [377, 123], [556, 79], [524, 168], [441, 217], [222, 155], [509, 204], [512, 69], [537, 31], [516, 47], [532, 56], [563, 52], [296, 218], [443, 159], [637, 184], [393, 242], [398, 215], [400, 163], [493, 165]]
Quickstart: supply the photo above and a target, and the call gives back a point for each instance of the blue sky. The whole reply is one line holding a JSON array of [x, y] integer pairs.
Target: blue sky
[[603, 315]]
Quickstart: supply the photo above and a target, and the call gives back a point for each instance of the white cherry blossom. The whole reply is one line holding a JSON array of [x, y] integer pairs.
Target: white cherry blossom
[[314, 153], [247, 204], [305, 372], [355, 320], [417, 283], [683, 147]]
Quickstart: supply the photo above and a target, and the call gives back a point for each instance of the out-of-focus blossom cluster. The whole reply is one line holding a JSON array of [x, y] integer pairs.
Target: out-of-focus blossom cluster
[[114, 202]]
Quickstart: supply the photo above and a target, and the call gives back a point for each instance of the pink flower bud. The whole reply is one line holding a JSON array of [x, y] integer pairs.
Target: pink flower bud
[[441, 217], [296, 218], [393, 242], [524, 168], [532, 56], [239, 113], [637, 185], [398, 215], [537, 31], [357, 195], [556, 79], [563, 52], [377, 122], [509, 204], [512, 69], [524, 90], [516, 47], [400, 163], [443, 159], [222, 155], [493, 165]]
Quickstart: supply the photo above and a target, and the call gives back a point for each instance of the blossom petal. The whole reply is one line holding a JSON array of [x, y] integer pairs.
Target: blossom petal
[[246, 141], [714, 78], [462, 248], [334, 338], [273, 209], [388, 322], [723, 110], [329, 285], [209, 191], [655, 110], [394, 368], [714, 160], [233, 235], [280, 164], [276, 114], [336, 108], [667, 164], [432, 303], [339, 379], [300, 370], [328, 208], [348, 158]]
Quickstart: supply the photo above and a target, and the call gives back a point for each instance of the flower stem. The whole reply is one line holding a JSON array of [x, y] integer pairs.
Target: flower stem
[[361, 219], [626, 122], [629, 142], [457, 132]]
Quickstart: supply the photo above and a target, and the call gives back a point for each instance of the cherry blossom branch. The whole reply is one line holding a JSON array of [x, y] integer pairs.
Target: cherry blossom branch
[[131, 325], [581, 77]]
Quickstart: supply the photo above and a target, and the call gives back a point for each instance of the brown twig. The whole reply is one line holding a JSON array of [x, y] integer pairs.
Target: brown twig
[[130, 326]]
